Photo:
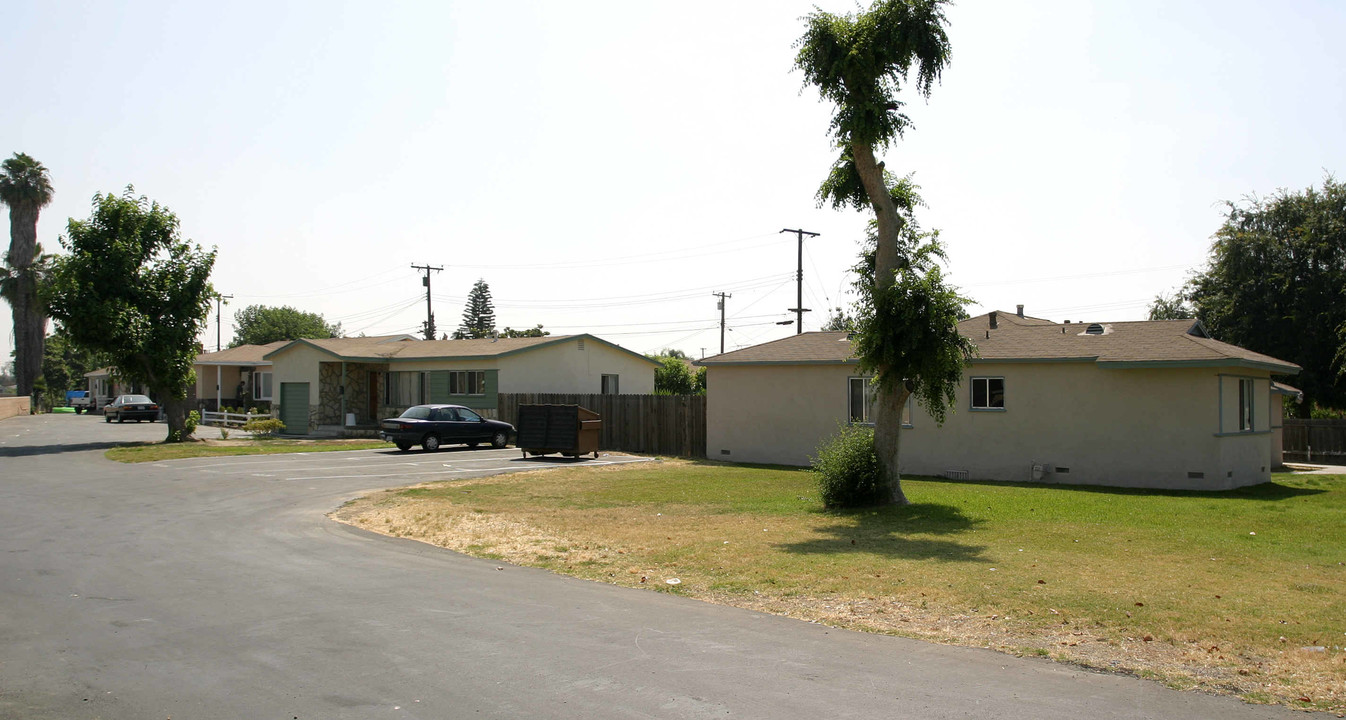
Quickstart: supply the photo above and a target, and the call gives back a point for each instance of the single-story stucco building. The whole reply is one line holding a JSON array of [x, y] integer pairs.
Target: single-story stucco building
[[235, 377], [1136, 404], [359, 381]]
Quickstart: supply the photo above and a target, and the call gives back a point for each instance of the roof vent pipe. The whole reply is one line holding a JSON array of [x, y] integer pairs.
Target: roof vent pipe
[[993, 320], [1019, 310]]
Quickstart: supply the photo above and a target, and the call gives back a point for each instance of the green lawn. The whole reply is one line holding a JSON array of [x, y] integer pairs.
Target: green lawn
[[175, 451], [1196, 589]]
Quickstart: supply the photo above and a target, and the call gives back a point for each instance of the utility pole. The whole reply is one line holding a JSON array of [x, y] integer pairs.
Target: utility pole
[[799, 308], [219, 300], [429, 314], [720, 305]]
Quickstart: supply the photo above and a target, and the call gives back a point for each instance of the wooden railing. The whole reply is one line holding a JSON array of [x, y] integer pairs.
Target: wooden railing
[[230, 419]]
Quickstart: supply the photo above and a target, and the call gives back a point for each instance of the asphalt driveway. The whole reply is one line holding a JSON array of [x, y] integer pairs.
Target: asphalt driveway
[[218, 588]]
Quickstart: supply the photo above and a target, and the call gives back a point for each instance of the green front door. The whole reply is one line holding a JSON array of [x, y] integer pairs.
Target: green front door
[[294, 407]]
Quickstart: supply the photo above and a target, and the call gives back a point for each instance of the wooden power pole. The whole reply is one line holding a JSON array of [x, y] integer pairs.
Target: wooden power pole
[[429, 313], [799, 308]]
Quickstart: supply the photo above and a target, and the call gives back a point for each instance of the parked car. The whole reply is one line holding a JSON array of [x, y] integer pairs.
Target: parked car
[[433, 425], [131, 407]]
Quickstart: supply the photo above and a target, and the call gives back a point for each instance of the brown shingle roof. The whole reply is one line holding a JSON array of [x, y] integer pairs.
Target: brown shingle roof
[[241, 355], [401, 347], [1026, 339]]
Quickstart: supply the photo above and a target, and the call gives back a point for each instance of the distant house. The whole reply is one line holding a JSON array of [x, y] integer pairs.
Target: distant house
[[331, 381], [1137, 404], [236, 377], [104, 388]]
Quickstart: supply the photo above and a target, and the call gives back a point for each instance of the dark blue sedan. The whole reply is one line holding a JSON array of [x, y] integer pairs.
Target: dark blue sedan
[[433, 425]]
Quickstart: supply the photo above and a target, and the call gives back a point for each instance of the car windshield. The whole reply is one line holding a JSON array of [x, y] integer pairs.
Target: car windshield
[[130, 399], [419, 412]]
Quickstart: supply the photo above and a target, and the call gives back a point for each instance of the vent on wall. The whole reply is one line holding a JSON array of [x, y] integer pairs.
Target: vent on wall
[[1196, 475], [955, 474], [581, 343], [724, 452], [1063, 470]]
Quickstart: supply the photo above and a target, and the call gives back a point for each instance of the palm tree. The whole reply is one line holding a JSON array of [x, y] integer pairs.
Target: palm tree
[[26, 188]]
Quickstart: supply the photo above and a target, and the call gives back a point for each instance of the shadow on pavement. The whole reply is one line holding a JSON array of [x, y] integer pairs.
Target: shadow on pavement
[[31, 450]]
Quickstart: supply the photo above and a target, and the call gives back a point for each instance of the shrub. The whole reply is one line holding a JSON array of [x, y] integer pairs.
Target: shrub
[[269, 426], [848, 470], [189, 426]]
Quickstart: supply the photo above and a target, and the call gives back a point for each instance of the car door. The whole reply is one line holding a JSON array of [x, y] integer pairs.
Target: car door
[[473, 428], [445, 422]]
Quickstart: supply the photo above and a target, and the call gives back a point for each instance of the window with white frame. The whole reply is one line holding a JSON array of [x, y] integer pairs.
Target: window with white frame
[[988, 393], [1245, 404], [467, 382], [261, 386], [860, 403], [610, 385]]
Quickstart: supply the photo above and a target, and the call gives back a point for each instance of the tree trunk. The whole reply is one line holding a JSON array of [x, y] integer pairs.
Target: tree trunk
[[175, 415], [30, 323], [892, 394]]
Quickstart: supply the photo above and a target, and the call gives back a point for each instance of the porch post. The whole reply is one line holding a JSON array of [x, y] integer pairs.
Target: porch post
[[342, 389], [218, 379]]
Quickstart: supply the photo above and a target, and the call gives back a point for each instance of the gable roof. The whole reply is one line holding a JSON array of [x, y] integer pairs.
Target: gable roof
[[241, 355], [405, 348], [1135, 344]]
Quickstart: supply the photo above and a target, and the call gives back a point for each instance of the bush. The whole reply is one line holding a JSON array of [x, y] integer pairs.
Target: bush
[[189, 426], [848, 470], [269, 426]]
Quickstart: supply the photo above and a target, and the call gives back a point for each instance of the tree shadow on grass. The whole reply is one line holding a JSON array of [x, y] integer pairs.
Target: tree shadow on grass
[[895, 532]]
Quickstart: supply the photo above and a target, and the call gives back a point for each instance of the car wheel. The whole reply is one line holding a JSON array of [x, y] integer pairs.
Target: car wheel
[[430, 443], [403, 446], [107, 418], [120, 419], [500, 439]]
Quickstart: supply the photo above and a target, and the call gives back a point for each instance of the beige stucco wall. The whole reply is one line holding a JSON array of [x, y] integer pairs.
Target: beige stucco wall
[[297, 364], [773, 413], [565, 368], [13, 406], [205, 382], [1139, 427]]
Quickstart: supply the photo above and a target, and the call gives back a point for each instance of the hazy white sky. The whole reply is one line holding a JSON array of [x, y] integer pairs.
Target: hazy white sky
[[606, 166]]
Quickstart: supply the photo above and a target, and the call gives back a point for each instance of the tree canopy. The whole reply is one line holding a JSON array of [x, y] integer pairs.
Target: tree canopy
[[1276, 284], [25, 187], [674, 376], [1170, 307], [478, 314], [133, 289], [530, 332], [907, 326], [261, 324]]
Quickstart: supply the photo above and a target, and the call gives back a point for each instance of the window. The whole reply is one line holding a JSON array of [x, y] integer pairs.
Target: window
[[467, 382], [610, 385], [988, 393], [404, 388], [261, 386], [861, 403], [466, 415], [1245, 404]]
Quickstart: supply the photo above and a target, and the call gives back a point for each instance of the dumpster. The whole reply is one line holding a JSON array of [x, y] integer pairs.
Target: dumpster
[[564, 429]]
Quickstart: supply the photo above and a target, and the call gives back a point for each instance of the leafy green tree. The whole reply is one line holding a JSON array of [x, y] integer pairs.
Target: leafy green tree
[[1276, 284], [839, 321], [1170, 307], [25, 187], [260, 324], [131, 287], [64, 363], [530, 332], [907, 334], [478, 315], [674, 377]]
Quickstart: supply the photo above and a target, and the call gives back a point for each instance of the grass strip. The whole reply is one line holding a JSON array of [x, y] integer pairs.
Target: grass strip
[[175, 451]]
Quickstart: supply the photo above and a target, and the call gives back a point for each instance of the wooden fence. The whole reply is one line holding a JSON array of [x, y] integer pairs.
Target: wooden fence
[[653, 424], [1315, 440]]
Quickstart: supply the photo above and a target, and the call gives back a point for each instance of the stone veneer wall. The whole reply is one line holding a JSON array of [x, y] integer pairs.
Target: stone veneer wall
[[357, 392]]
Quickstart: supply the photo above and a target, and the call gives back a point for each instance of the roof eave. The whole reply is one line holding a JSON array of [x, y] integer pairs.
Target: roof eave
[[1277, 368]]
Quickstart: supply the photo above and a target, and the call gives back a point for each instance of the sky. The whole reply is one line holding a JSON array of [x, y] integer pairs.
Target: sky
[[606, 167]]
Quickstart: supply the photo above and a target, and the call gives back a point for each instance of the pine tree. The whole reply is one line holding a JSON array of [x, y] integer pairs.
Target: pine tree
[[478, 315]]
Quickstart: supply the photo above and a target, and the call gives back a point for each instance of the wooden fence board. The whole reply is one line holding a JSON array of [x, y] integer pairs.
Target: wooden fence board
[[1314, 440], [672, 425]]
